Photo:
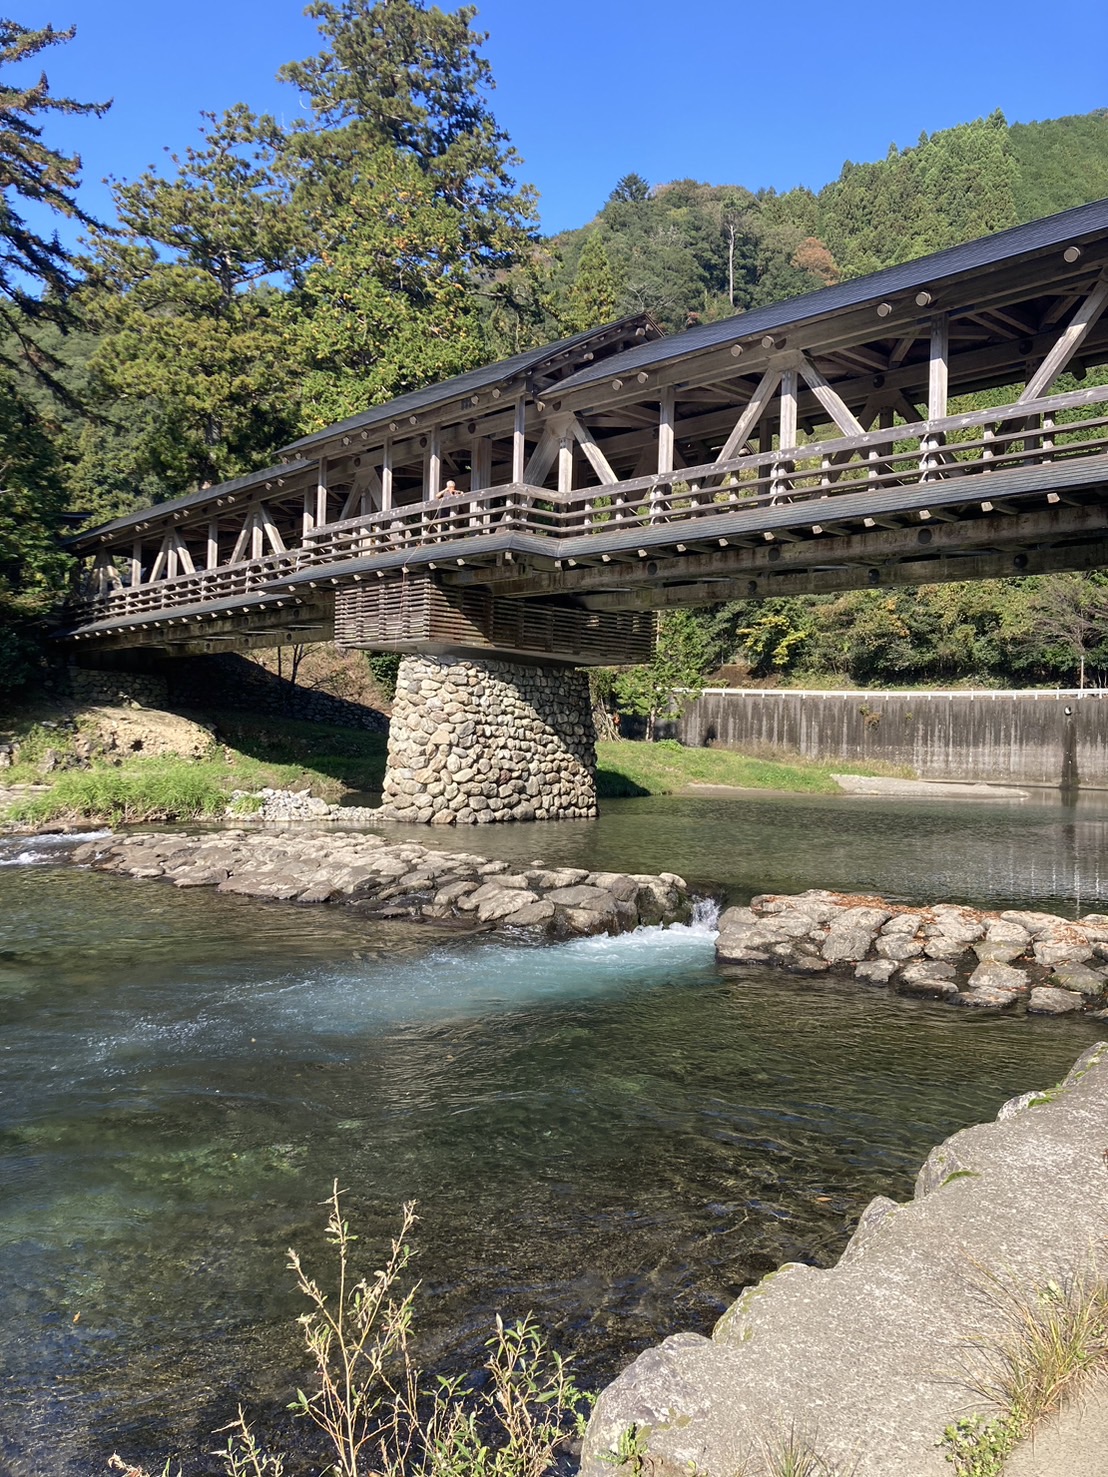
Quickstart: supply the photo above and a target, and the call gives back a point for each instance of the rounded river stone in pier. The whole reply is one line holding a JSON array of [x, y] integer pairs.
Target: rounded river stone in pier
[[473, 742]]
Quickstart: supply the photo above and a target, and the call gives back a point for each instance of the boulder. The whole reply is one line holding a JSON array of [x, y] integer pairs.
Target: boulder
[[852, 932], [1046, 1000]]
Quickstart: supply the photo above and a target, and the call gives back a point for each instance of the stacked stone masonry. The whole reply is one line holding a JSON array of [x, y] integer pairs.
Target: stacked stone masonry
[[475, 742], [1021, 960]]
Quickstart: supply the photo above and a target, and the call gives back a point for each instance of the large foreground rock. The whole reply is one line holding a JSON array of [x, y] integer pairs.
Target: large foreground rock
[[868, 1362]]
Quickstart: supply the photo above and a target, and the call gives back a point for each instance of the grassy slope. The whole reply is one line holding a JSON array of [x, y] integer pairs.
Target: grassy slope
[[629, 768], [254, 753]]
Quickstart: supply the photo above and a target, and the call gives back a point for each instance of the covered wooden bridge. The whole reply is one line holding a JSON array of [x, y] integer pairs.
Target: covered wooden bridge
[[535, 514], [818, 444]]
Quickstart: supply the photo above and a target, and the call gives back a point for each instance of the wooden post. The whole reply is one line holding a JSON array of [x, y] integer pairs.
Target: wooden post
[[480, 464], [386, 476], [519, 441], [666, 412], [432, 466], [565, 462], [938, 373], [257, 536], [308, 521], [786, 438], [321, 514], [136, 563], [212, 558], [938, 382]]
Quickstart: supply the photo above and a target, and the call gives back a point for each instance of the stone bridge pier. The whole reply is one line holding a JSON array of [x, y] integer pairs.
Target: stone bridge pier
[[477, 740]]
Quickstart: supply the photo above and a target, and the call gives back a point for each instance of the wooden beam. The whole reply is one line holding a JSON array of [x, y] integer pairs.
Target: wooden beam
[[1069, 342], [596, 458], [751, 415], [829, 398], [542, 459]]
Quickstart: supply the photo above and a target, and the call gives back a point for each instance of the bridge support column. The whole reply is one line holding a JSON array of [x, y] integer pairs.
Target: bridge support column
[[475, 741]]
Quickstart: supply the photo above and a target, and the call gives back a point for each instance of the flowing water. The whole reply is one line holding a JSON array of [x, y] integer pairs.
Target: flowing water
[[607, 1133]]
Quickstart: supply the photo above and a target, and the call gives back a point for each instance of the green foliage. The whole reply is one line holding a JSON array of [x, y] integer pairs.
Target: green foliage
[[976, 1447], [36, 272], [594, 297], [380, 1415], [386, 308], [674, 677], [1060, 163], [385, 666], [189, 323]]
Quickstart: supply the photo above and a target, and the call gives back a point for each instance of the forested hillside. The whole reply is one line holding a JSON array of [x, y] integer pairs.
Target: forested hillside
[[270, 280]]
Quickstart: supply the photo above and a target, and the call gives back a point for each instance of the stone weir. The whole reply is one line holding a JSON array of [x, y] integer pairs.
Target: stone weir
[[451, 888], [1013, 960], [862, 1368]]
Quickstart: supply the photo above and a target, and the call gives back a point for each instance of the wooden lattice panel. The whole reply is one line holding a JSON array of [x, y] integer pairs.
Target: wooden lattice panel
[[419, 615]]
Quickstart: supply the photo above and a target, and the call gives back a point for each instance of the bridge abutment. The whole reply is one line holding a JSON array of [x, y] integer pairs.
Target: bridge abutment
[[475, 741]]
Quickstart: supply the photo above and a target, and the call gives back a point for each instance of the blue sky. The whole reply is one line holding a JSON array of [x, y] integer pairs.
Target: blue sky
[[743, 93]]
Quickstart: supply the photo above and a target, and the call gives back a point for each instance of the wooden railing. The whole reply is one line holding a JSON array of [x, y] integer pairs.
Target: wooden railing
[[977, 444]]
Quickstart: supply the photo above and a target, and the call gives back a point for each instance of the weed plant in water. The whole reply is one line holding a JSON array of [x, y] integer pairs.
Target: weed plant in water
[[381, 1415]]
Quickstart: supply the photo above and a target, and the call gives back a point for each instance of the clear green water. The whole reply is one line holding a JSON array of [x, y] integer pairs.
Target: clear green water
[[607, 1133]]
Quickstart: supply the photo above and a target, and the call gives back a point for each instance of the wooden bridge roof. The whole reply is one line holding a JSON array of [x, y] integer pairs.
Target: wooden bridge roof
[[551, 359], [156, 513], [1083, 224]]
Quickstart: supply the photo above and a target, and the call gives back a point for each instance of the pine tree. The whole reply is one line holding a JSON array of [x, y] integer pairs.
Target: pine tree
[[385, 309], [188, 310], [34, 172], [396, 75], [36, 278], [422, 242], [594, 297]]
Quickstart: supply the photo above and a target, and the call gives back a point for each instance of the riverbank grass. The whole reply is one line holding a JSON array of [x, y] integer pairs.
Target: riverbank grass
[[630, 768], [248, 754], [1058, 1338]]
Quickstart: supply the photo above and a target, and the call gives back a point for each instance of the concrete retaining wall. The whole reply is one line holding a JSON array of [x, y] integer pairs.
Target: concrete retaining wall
[[1033, 738]]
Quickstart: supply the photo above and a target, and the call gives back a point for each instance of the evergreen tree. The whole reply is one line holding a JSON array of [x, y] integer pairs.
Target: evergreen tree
[[183, 296], [594, 297], [36, 272], [36, 278], [385, 309], [395, 75]]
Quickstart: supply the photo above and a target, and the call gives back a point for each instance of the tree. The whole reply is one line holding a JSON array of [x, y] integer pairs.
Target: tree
[[36, 278], [36, 273], [189, 314], [420, 238], [631, 189], [397, 76], [594, 297], [385, 309], [1064, 624], [674, 677]]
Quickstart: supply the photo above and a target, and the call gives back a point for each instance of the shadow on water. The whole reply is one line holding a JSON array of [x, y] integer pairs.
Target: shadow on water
[[607, 1133]]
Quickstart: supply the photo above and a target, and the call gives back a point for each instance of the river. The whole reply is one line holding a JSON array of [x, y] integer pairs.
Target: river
[[607, 1133]]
